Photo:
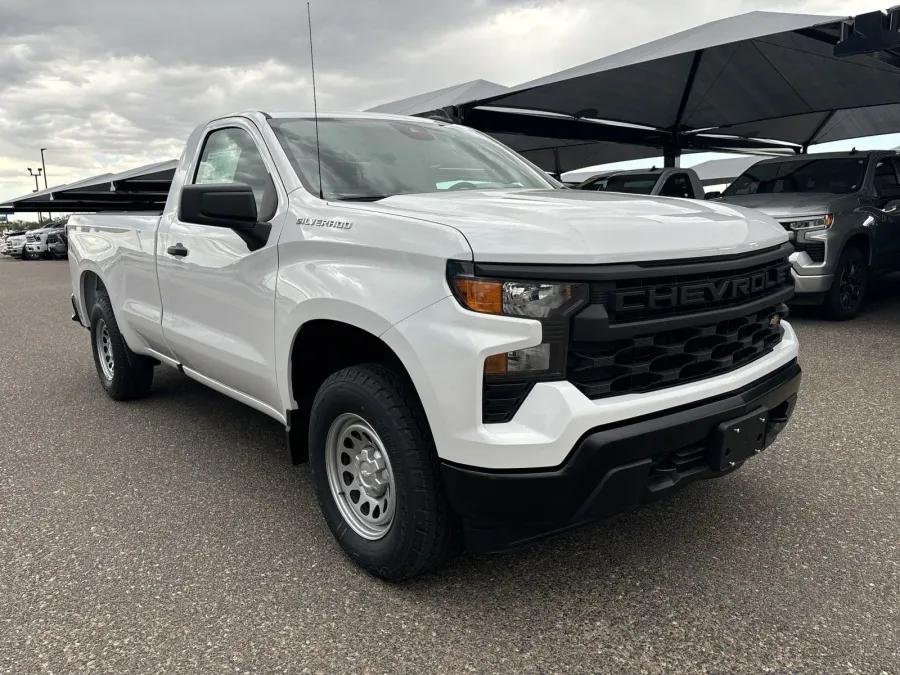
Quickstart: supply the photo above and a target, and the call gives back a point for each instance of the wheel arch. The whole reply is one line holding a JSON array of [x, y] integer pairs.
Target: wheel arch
[[90, 287], [320, 347], [861, 240]]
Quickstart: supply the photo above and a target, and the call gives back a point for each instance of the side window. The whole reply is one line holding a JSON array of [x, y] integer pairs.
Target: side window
[[885, 175], [231, 156], [677, 185]]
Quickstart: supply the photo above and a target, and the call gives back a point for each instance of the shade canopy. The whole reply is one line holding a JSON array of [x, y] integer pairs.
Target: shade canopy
[[140, 189], [729, 85], [440, 99]]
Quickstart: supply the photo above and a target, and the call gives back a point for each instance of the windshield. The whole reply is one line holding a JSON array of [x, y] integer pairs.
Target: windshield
[[634, 183], [376, 158], [838, 176]]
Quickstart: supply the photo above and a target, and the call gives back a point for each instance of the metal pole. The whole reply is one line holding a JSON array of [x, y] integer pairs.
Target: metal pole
[[44, 166], [37, 188], [671, 157]]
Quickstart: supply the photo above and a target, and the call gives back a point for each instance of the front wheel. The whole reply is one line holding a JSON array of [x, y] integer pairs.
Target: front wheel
[[377, 475], [847, 294]]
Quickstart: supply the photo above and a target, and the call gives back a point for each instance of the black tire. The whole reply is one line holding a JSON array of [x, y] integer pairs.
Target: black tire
[[847, 294], [132, 375], [422, 534]]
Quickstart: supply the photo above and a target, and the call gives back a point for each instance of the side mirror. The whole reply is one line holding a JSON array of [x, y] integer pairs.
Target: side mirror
[[712, 195], [230, 205]]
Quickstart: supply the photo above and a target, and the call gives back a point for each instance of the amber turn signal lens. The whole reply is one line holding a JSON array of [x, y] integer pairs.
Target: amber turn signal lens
[[495, 364], [481, 296]]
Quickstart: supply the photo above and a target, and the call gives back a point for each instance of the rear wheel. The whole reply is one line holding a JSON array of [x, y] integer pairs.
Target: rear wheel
[[123, 374], [377, 475], [847, 294]]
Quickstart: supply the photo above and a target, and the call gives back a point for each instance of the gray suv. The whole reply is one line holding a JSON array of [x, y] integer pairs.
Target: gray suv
[[842, 211]]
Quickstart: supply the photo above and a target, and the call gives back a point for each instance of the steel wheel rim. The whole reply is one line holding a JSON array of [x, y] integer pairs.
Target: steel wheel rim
[[105, 351], [851, 285], [360, 476]]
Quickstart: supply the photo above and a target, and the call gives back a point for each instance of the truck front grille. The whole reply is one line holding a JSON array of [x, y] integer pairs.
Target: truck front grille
[[671, 357], [656, 325]]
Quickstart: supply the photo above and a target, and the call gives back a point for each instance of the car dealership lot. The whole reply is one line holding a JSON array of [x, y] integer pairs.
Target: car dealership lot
[[173, 535]]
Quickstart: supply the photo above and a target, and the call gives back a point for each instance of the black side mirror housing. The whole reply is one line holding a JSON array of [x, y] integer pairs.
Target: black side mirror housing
[[230, 205], [712, 195]]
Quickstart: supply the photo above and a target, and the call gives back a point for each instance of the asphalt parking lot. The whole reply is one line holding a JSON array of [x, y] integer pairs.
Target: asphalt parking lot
[[173, 535]]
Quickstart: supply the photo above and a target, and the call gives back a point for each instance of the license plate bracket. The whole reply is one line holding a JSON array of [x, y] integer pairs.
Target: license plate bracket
[[738, 439]]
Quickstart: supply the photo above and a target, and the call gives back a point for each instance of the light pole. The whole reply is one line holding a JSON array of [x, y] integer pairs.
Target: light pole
[[44, 165], [37, 188]]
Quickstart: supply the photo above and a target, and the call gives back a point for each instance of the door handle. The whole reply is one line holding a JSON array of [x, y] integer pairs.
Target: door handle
[[178, 250]]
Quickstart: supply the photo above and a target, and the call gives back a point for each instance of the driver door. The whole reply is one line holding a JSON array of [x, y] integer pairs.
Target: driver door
[[218, 290]]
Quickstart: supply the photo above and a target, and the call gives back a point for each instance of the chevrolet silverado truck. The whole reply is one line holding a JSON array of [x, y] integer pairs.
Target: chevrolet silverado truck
[[482, 365], [842, 212], [665, 182]]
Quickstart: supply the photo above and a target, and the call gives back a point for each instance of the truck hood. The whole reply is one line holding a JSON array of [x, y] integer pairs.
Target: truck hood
[[581, 227], [789, 205]]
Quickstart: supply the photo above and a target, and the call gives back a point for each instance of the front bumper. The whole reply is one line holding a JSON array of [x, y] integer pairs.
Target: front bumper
[[36, 248], [613, 468]]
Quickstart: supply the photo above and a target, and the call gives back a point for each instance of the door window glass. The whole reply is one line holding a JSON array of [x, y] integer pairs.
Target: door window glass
[[677, 185], [885, 175], [231, 156]]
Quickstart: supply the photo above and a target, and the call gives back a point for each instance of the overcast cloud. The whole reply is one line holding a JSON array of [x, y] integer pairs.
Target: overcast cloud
[[107, 85]]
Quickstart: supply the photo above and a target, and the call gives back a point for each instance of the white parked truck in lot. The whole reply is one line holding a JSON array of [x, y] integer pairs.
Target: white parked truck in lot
[[486, 364]]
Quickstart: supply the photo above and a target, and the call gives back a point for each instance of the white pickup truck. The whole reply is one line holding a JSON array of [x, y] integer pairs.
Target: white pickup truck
[[465, 351]]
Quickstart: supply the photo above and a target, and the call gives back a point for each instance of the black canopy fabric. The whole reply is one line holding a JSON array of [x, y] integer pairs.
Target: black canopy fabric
[[138, 189], [756, 66], [726, 85], [762, 75], [440, 99]]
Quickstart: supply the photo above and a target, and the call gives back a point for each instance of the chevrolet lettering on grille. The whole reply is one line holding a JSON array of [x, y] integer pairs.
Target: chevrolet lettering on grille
[[698, 293]]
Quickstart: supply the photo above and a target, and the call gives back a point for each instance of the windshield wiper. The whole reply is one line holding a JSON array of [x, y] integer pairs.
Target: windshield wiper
[[362, 198]]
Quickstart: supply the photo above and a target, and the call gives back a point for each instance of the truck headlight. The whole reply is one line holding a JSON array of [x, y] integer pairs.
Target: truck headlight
[[808, 224], [550, 303]]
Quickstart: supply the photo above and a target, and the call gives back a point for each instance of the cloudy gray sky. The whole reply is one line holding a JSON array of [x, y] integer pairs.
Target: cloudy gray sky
[[107, 85]]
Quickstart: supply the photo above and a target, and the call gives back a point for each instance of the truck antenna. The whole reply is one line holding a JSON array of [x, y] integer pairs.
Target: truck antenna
[[312, 65]]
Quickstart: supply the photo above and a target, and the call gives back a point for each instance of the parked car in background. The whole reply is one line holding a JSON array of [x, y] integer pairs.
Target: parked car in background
[[14, 244], [37, 244], [842, 213], [666, 182]]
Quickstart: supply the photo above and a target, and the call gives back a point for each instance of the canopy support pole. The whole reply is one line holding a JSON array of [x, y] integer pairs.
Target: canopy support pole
[[688, 88], [812, 136], [671, 156], [556, 164], [672, 151]]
